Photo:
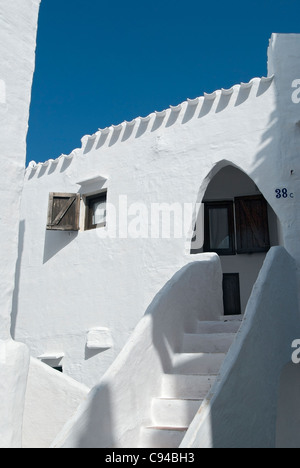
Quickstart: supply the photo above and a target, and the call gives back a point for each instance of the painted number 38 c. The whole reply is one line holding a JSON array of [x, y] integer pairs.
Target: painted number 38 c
[[283, 193]]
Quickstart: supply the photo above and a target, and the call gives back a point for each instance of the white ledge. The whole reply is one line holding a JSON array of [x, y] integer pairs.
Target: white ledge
[[92, 180], [50, 357], [99, 338]]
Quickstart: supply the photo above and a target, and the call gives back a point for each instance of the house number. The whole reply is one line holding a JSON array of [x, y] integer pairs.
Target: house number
[[283, 193]]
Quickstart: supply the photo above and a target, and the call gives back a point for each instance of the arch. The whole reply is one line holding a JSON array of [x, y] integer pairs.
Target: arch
[[233, 192]]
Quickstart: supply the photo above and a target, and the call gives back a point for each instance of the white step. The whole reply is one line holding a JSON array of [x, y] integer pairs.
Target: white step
[[161, 437], [198, 363], [221, 326], [168, 412], [186, 386], [233, 318], [207, 343]]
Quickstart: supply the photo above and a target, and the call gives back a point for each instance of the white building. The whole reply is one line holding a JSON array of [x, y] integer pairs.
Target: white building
[[32, 397], [119, 285]]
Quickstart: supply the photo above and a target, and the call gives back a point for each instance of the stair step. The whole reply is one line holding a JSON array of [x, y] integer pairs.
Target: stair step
[[174, 412], [161, 437], [207, 343], [186, 386], [198, 363], [221, 326], [233, 318]]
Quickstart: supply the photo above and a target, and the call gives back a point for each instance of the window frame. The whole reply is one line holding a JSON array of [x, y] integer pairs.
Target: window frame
[[89, 201], [231, 228]]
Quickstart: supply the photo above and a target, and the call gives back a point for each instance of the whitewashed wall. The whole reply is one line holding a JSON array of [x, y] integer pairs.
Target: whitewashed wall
[[18, 24], [51, 400], [70, 283]]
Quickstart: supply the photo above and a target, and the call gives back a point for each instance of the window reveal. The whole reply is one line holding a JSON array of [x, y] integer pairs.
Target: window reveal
[[96, 211]]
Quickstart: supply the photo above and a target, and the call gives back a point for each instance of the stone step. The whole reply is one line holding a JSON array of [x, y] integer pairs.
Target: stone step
[[207, 343], [169, 412], [186, 386], [198, 363], [161, 437], [221, 326]]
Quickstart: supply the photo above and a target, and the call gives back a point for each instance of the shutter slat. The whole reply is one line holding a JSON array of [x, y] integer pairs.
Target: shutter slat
[[62, 213]]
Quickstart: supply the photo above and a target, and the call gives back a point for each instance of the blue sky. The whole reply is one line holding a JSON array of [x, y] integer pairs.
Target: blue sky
[[99, 63]]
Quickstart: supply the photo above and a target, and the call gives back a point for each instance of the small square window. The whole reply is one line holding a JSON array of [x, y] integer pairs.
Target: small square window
[[96, 211]]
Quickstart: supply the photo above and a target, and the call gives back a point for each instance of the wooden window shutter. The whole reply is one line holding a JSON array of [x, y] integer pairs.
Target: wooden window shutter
[[252, 229], [63, 212]]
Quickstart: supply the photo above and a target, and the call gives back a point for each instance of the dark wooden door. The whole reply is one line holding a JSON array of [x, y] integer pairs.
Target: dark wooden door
[[231, 294]]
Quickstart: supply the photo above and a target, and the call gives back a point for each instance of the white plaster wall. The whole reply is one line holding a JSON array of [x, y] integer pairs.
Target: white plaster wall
[[18, 24], [51, 400], [72, 282], [14, 364], [117, 408], [241, 409], [284, 62]]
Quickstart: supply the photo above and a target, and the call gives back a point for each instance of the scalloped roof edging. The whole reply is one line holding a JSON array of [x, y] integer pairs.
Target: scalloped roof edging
[[88, 141]]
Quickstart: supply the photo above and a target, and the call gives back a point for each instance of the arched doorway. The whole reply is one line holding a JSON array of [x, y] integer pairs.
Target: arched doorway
[[237, 223]]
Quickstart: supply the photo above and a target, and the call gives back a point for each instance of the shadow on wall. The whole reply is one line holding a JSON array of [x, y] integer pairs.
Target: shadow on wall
[[55, 241], [194, 293], [99, 410], [15, 300]]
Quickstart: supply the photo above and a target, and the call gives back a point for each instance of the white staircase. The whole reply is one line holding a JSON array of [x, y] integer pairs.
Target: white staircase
[[194, 372]]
